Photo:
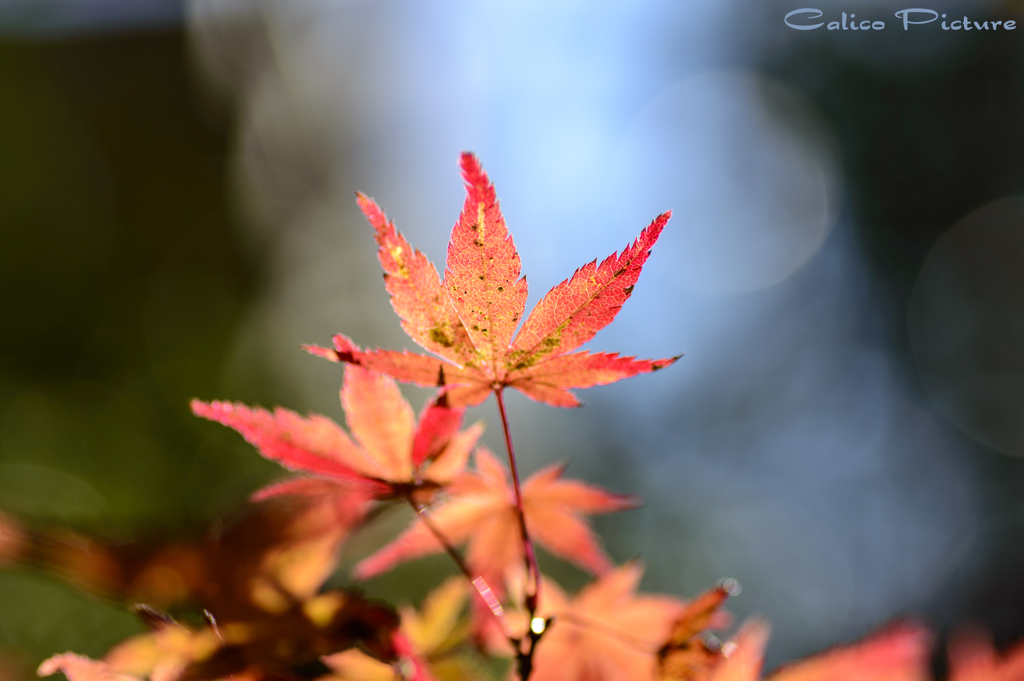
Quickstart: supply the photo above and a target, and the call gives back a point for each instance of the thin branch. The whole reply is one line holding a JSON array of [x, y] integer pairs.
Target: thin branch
[[524, 658], [479, 583], [532, 569]]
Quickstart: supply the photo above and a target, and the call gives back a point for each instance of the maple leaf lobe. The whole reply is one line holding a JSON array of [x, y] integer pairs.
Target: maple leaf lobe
[[572, 312], [482, 274], [417, 295]]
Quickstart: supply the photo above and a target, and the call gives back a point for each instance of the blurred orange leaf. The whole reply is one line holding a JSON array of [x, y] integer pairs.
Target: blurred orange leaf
[[607, 632]]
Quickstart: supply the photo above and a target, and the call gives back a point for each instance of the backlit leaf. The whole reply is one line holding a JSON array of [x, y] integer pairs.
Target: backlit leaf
[[483, 287]]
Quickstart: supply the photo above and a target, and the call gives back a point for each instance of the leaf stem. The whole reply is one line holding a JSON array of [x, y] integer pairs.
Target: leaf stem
[[532, 594], [479, 583]]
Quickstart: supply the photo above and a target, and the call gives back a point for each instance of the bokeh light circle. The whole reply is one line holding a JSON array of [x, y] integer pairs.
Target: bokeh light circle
[[966, 320], [747, 167]]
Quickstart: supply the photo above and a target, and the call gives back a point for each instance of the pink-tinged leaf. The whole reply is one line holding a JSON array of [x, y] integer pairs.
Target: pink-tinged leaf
[[381, 420], [417, 295], [438, 424], [314, 444], [898, 653], [572, 312], [482, 274]]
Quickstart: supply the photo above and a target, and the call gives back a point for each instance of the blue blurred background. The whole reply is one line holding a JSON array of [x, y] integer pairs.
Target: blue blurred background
[[844, 271]]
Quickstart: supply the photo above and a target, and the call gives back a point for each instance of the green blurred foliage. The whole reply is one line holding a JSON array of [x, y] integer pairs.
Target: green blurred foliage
[[123, 283]]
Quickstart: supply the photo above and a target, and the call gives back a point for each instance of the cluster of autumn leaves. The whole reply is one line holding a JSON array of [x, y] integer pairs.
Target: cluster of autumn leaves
[[261, 582]]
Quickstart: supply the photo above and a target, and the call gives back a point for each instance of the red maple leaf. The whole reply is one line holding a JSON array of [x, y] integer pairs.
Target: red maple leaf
[[481, 511], [468, 319], [392, 456]]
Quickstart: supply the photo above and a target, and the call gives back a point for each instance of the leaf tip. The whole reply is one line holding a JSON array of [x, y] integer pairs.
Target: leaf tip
[[344, 350], [659, 364]]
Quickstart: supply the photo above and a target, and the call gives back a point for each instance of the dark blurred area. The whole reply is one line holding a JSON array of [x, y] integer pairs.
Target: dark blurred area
[[924, 145], [176, 217], [123, 284]]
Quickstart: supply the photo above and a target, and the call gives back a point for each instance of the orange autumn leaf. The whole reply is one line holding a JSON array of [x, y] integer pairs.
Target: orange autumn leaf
[[391, 454], [607, 632], [481, 511], [469, 319], [972, 658]]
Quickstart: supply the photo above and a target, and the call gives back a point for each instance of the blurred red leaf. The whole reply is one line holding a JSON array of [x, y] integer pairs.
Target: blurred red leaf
[[481, 511]]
